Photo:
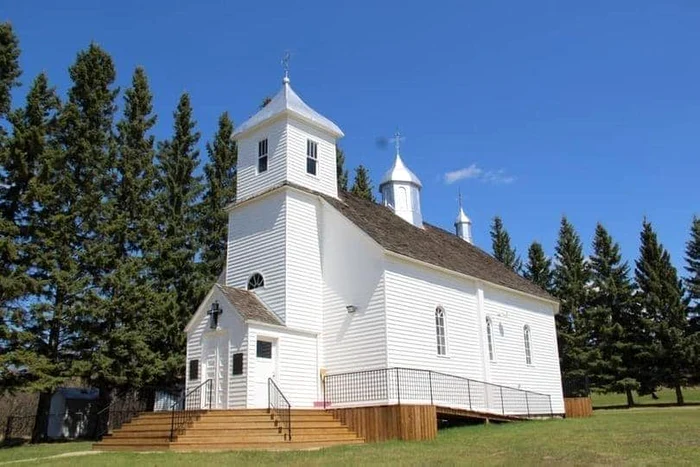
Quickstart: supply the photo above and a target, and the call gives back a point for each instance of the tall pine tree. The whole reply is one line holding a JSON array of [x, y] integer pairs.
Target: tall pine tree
[[692, 268], [342, 172], [660, 298], [569, 284], [611, 319], [176, 271], [502, 251], [362, 186], [538, 268], [220, 190], [10, 70]]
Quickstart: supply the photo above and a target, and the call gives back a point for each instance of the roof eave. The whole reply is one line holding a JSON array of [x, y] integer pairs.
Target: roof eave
[[336, 132]]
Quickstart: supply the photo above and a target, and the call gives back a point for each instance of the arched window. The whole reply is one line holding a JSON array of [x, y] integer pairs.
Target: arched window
[[440, 331], [402, 201], [255, 281], [528, 349], [489, 339]]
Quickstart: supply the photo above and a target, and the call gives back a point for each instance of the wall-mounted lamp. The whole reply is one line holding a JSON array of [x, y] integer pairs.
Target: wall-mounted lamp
[[351, 308]]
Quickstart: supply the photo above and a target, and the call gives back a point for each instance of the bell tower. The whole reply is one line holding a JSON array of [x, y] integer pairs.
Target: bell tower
[[400, 189]]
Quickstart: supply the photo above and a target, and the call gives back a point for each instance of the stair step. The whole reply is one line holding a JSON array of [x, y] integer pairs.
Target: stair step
[[112, 441], [213, 432], [280, 446], [130, 447]]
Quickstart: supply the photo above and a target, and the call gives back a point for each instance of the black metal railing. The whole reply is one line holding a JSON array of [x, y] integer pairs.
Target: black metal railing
[[279, 408], [576, 385], [415, 386], [189, 406]]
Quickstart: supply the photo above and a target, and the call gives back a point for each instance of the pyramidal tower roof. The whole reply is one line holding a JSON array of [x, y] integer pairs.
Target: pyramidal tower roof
[[286, 101], [399, 172]]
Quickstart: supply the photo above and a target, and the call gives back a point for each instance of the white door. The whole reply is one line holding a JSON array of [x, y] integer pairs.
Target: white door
[[265, 368], [215, 370]]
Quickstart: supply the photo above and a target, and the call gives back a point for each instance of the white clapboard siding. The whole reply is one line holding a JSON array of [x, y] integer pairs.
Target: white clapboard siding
[[325, 181], [412, 295], [248, 181], [256, 243], [509, 314], [353, 274], [304, 299], [231, 337], [298, 374]]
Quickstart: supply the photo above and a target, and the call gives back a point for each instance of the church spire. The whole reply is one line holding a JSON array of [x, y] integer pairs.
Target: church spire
[[400, 188], [463, 225]]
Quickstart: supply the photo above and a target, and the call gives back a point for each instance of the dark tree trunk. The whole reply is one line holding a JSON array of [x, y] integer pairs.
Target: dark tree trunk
[[630, 398], [41, 421], [679, 395]]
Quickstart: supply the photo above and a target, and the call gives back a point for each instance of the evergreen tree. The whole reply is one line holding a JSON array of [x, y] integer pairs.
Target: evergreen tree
[[362, 186], [220, 191], [176, 272], [569, 284], [538, 268], [661, 303], [692, 281], [502, 251], [341, 170], [9, 66], [12, 275], [612, 323]]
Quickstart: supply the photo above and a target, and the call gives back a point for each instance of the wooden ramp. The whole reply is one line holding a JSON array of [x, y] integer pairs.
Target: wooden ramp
[[465, 414], [230, 430]]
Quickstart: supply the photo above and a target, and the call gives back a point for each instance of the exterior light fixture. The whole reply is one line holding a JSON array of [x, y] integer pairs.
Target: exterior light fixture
[[351, 308]]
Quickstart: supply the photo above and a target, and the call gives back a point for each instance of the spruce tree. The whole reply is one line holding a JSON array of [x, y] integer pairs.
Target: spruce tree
[[220, 190], [538, 268], [362, 186], [342, 172], [502, 251], [569, 284], [176, 272], [660, 300], [42, 349], [612, 325], [692, 280], [12, 274], [10, 70]]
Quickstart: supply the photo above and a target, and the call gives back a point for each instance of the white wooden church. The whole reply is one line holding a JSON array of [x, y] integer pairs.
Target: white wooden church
[[320, 283]]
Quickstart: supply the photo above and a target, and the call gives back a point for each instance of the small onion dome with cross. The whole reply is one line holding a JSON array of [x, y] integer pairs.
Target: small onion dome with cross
[[400, 189], [463, 225]]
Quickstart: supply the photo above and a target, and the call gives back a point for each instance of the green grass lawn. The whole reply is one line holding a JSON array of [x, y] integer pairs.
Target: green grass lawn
[[638, 436], [666, 396]]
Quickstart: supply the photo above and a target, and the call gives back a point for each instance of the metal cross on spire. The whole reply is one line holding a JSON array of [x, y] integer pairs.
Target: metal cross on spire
[[397, 141], [285, 64], [459, 197]]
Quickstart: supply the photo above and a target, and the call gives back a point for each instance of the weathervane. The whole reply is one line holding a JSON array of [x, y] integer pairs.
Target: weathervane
[[397, 141], [285, 64]]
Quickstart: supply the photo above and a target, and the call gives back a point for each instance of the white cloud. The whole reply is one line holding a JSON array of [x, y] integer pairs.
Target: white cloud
[[477, 173], [462, 174]]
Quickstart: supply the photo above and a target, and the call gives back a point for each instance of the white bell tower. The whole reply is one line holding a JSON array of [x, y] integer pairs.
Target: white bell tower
[[463, 225], [400, 189]]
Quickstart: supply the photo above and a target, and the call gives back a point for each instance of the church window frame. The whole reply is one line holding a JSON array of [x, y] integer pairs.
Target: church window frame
[[311, 157], [255, 281], [262, 156], [440, 331], [527, 341], [489, 339], [194, 370]]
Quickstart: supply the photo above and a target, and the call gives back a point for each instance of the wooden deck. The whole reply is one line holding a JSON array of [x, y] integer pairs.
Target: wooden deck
[[465, 414]]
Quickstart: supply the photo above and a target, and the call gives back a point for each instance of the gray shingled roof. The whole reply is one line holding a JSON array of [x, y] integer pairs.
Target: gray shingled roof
[[249, 305], [431, 244]]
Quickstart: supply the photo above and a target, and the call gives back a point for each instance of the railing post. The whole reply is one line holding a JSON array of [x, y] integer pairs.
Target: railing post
[[211, 387], [325, 391], [469, 394], [527, 404], [551, 411], [8, 428], [269, 397], [430, 378], [398, 387], [503, 407], [172, 423]]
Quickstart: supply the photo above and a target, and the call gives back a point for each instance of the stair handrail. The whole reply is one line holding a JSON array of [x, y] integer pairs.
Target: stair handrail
[[127, 415], [278, 406], [191, 406]]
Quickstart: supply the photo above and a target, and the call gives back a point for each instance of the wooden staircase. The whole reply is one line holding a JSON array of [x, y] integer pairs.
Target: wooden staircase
[[229, 430]]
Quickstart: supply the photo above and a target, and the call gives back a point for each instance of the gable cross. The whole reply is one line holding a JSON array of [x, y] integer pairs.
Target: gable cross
[[285, 64], [214, 313]]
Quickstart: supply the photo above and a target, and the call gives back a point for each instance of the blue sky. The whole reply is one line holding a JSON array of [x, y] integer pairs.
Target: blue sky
[[589, 109]]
